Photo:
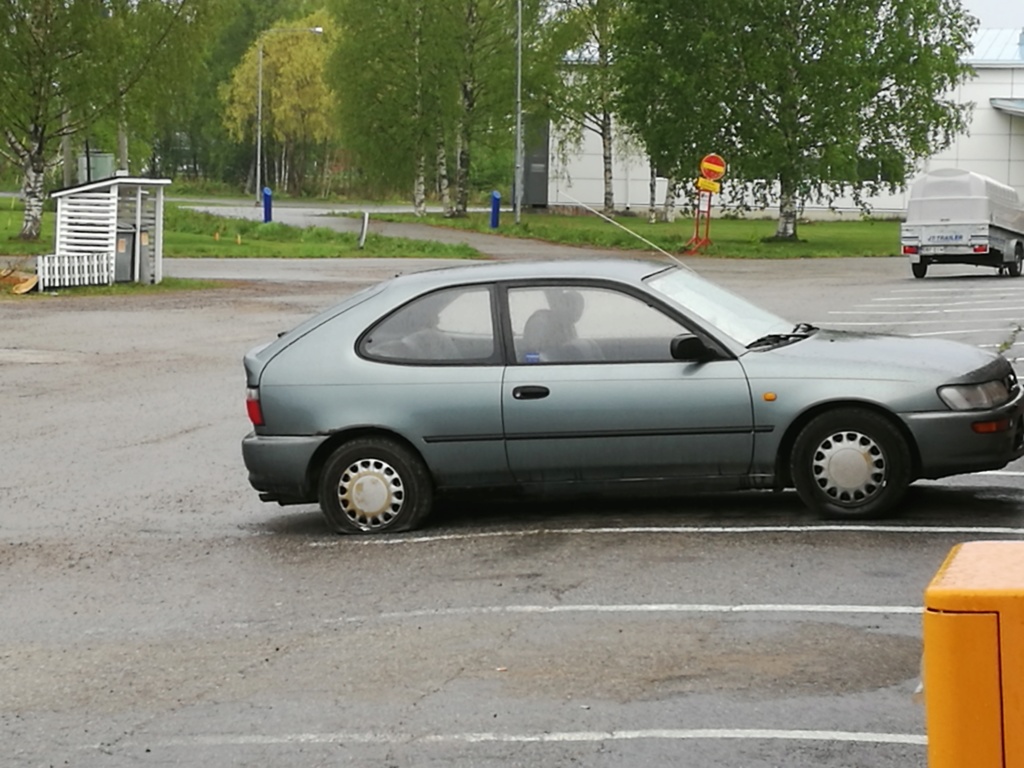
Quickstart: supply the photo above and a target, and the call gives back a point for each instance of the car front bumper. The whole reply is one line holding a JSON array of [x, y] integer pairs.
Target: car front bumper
[[949, 445], [278, 466]]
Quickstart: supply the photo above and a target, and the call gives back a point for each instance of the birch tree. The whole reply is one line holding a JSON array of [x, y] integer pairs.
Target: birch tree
[[67, 64], [428, 83], [485, 33], [397, 91], [807, 99], [585, 100]]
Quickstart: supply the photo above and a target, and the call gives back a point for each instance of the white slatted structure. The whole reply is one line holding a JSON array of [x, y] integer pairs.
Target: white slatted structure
[[64, 270], [104, 227], [84, 243]]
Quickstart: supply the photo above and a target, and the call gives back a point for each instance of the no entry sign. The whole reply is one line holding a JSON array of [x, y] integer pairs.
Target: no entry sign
[[712, 167]]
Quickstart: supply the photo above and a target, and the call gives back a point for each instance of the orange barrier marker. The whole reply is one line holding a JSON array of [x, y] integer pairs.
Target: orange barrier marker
[[974, 657]]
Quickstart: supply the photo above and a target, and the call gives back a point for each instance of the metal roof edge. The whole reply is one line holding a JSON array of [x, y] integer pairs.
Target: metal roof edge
[[1009, 106], [137, 181]]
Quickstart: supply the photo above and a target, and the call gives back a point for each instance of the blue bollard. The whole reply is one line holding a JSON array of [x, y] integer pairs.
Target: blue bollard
[[267, 198], [495, 208]]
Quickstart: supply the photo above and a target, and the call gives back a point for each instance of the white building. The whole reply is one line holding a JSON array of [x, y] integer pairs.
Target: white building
[[993, 144]]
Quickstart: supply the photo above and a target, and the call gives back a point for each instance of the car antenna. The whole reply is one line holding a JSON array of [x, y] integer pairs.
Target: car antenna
[[627, 229]]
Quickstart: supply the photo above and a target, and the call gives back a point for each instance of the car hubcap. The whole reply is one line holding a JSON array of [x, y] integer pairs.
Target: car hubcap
[[371, 493], [849, 467]]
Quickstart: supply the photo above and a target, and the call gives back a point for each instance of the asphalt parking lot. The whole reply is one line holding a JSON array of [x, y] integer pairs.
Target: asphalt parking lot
[[153, 611]]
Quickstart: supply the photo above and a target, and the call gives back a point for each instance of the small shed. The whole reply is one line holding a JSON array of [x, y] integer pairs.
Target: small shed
[[109, 230]]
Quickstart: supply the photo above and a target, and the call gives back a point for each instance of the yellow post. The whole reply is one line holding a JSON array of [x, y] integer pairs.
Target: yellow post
[[974, 657]]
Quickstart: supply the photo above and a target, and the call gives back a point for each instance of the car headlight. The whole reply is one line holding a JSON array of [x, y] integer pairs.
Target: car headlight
[[975, 397]]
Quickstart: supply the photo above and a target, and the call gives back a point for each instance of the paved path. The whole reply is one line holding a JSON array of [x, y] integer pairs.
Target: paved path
[[492, 246]]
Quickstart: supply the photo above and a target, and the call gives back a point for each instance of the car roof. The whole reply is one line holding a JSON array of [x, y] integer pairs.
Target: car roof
[[629, 270]]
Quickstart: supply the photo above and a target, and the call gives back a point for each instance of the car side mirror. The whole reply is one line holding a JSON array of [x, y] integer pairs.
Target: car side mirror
[[692, 349]]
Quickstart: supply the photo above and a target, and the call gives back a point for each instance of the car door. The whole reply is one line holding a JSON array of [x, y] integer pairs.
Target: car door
[[594, 394], [435, 378]]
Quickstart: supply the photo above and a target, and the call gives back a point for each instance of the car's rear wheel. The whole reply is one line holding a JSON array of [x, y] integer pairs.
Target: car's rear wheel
[[375, 485], [851, 463], [920, 269]]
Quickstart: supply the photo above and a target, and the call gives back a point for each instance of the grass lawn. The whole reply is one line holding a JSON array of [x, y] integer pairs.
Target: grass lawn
[[190, 233], [193, 234], [731, 238]]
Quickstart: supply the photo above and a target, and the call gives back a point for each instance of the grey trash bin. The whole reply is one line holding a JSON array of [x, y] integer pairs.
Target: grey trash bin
[[124, 255]]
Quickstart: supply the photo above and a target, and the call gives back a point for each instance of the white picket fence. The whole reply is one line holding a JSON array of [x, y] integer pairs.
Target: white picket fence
[[64, 270]]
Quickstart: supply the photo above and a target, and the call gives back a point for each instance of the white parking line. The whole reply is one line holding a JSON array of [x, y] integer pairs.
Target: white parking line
[[398, 539], [957, 331], [831, 323], [905, 299], [669, 734], [873, 305], [925, 311], [492, 610], [961, 290]]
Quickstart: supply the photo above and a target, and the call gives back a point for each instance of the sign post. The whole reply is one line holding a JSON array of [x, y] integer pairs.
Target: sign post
[[712, 169]]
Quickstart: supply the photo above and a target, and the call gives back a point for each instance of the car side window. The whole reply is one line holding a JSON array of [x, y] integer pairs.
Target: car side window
[[586, 324], [452, 326]]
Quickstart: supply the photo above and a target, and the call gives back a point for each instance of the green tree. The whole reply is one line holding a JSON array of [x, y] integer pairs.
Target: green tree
[[397, 91], [807, 100], [422, 81], [298, 132], [68, 64], [581, 33]]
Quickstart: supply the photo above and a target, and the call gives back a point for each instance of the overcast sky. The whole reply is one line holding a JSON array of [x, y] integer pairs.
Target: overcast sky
[[997, 14]]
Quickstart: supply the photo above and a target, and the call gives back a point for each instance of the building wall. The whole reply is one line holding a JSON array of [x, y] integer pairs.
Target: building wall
[[577, 177], [993, 146]]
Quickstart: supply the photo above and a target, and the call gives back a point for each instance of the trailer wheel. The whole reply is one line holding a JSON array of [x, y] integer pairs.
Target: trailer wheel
[[1015, 266], [920, 269]]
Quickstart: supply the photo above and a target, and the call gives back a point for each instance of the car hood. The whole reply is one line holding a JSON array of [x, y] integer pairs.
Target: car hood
[[853, 355]]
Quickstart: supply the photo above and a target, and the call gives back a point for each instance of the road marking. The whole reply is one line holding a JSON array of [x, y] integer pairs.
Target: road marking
[[956, 332], [958, 290], [669, 734], [925, 311], [894, 299], [491, 610], [872, 305], [830, 322], [396, 539]]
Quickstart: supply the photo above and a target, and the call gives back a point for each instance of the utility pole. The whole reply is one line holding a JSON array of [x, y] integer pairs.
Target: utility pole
[[518, 195], [259, 99]]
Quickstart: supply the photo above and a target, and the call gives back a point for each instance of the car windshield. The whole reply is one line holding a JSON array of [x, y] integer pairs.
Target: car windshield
[[734, 316]]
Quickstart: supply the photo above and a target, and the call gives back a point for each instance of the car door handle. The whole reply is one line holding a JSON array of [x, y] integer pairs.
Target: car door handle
[[530, 393]]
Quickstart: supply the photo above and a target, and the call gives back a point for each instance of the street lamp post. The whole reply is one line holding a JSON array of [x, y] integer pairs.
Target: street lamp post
[[259, 99], [517, 198]]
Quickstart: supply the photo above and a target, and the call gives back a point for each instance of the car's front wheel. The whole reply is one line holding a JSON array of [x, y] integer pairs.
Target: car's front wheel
[[374, 485], [851, 463]]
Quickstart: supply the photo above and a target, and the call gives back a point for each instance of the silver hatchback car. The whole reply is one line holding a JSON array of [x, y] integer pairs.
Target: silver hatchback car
[[585, 375]]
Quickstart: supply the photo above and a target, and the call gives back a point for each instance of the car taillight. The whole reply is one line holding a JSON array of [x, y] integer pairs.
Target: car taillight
[[980, 249], [252, 406], [909, 249]]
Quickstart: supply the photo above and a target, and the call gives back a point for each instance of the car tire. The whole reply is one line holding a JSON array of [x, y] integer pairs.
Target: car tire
[[920, 269], [375, 485], [1015, 266], [851, 463]]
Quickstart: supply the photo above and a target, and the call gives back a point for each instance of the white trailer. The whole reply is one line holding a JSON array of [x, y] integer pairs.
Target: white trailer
[[960, 217]]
